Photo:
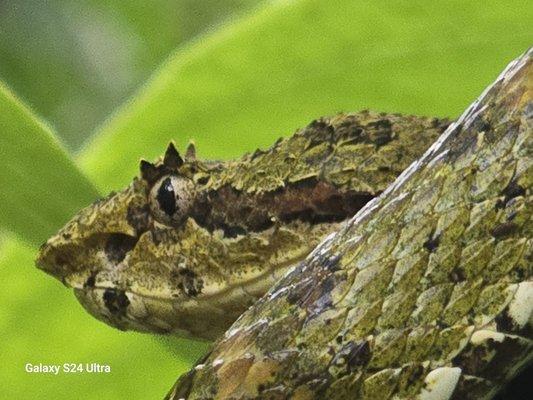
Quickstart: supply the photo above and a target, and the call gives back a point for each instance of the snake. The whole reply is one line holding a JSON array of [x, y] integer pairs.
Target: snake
[[368, 256]]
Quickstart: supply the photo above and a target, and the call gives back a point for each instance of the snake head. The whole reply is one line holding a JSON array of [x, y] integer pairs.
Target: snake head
[[128, 256], [190, 244]]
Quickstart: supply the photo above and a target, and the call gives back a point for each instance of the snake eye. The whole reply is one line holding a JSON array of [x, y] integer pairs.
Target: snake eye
[[171, 199], [166, 197]]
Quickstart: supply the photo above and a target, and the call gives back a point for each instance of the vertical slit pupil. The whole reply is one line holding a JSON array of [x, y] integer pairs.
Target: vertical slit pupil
[[166, 197]]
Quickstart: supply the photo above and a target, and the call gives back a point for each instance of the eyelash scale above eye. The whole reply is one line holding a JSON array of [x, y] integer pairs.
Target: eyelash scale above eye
[[166, 197]]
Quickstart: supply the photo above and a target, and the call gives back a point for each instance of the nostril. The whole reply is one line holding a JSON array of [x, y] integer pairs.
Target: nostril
[[118, 245]]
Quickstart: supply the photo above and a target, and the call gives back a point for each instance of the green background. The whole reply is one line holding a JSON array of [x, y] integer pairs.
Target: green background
[[90, 87]]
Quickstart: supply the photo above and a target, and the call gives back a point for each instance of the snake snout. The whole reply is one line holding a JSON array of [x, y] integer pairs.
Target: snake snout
[[76, 263], [53, 260]]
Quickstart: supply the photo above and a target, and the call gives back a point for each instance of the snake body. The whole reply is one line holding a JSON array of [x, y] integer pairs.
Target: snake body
[[426, 293], [191, 238]]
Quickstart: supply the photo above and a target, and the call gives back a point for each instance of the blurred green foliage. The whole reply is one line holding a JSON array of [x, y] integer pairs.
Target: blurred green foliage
[[232, 89], [41, 185], [75, 61]]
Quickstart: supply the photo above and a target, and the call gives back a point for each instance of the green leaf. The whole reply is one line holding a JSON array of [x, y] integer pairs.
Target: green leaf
[[41, 186], [74, 61], [276, 69], [41, 322]]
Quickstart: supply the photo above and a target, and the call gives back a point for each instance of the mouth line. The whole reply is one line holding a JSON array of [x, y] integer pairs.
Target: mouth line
[[200, 298], [86, 289]]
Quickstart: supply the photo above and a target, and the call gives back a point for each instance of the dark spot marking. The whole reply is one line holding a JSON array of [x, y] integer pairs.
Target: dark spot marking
[[382, 138], [415, 375], [232, 231], [506, 354], [520, 388], [116, 301], [504, 322], [487, 359], [357, 131], [186, 272], [118, 245], [308, 215], [435, 122], [332, 263], [513, 190], [190, 284], [203, 180], [320, 125], [317, 124], [500, 204], [359, 355], [90, 282], [457, 274], [354, 355], [328, 284], [166, 197], [257, 153], [483, 125], [432, 243], [383, 124], [505, 229], [383, 134]]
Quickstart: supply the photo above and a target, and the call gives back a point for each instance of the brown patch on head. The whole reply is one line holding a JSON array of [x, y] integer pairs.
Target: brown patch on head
[[118, 245], [310, 200]]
